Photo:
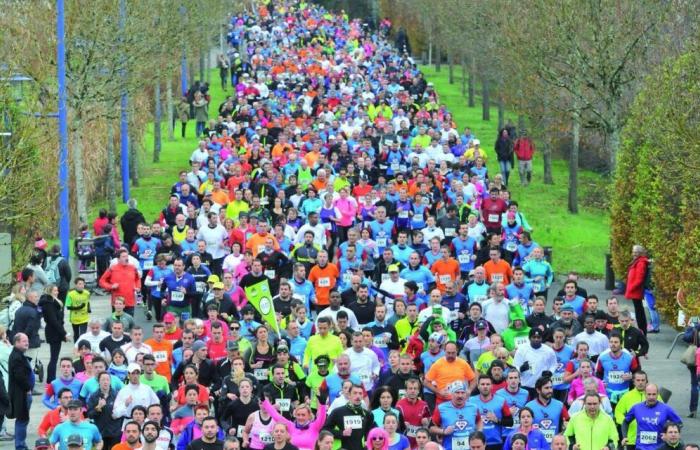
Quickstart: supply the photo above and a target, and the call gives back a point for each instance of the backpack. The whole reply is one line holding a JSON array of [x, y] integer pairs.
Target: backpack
[[52, 272], [7, 315]]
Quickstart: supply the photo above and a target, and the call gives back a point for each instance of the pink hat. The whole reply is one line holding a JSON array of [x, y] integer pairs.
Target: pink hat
[[169, 318], [511, 215]]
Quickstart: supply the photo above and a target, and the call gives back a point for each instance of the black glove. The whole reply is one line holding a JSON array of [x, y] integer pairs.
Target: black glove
[[525, 367]]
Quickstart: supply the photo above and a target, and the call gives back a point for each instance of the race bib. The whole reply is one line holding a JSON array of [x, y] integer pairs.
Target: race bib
[[299, 297], [261, 374], [380, 341], [394, 166], [284, 403], [403, 214], [480, 298], [444, 279], [160, 356], [615, 377], [352, 422], [493, 218], [261, 248], [328, 226], [381, 242], [148, 264], [521, 340], [402, 167], [460, 443], [411, 430], [557, 379], [511, 246], [266, 438], [548, 434], [402, 393], [270, 273], [361, 199], [385, 276], [201, 286], [177, 296], [365, 378], [464, 258], [324, 282], [347, 276], [497, 278], [264, 201], [239, 431], [648, 437]]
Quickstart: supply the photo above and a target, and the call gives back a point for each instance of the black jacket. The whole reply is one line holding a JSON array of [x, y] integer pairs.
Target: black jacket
[[129, 223], [634, 341], [28, 321], [19, 385], [103, 419], [52, 311], [335, 423], [208, 374]]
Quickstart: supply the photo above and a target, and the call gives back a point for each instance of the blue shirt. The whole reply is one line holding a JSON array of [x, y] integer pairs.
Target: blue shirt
[[517, 400], [421, 275], [650, 423], [492, 430], [88, 431], [464, 421], [547, 417]]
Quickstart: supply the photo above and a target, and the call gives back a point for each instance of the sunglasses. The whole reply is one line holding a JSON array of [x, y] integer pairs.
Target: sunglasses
[[377, 438], [235, 328]]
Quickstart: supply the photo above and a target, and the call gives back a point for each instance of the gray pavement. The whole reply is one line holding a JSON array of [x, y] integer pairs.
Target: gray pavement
[[668, 373]]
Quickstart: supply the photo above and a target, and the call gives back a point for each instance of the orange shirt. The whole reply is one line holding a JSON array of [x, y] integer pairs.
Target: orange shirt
[[319, 185], [256, 243], [498, 273], [312, 157], [445, 271], [442, 373], [125, 446], [163, 353], [323, 281]]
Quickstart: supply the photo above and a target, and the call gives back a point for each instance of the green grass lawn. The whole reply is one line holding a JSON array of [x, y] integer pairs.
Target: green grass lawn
[[579, 241]]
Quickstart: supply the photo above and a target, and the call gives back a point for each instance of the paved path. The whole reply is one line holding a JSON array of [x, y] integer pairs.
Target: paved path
[[670, 374]]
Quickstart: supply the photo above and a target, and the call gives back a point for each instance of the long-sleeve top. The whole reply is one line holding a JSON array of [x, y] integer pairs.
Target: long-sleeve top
[[305, 438], [140, 394]]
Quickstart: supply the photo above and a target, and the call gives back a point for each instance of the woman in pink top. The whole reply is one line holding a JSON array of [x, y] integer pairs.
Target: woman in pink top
[[577, 388], [304, 429], [348, 210]]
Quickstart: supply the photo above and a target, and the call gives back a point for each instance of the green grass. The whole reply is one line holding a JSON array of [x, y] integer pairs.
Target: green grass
[[579, 241]]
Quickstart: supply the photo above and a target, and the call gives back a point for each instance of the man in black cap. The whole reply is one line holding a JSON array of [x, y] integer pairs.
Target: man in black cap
[[75, 441], [534, 360], [76, 432], [282, 394], [42, 444]]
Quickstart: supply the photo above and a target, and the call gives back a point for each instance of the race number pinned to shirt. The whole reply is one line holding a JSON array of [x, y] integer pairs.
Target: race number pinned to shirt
[[324, 282], [464, 257], [160, 356], [520, 341], [284, 404], [648, 437], [148, 264], [496, 278], [460, 443], [616, 377], [352, 422], [261, 374], [444, 279], [270, 273], [493, 218], [201, 286], [449, 232], [177, 296]]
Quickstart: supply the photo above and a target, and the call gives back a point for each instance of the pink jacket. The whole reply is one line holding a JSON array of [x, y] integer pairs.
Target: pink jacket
[[303, 439], [576, 390], [348, 209]]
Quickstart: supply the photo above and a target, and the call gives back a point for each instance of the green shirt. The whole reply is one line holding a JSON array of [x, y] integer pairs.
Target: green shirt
[[78, 303], [158, 383]]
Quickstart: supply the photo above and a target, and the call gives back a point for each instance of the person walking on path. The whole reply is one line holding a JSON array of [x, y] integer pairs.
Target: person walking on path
[[636, 280], [20, 386], [504, 152], [524, 148]]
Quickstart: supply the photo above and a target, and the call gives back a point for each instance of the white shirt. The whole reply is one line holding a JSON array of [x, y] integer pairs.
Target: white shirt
[[428, 312], [597, 342], [140, 394], [319, 234], [214, 237], [497, 313], [429, 233], [328, 312], [365, 364], [395, 288], [92, 339], [231, 262], [540, 359], [131, 350]]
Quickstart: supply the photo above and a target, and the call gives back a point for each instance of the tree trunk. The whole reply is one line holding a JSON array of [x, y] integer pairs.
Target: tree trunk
[[613, 147], [222, 40], [521, 123], [202, 64], [430, 48], [573, 160], [450, 68], [547, 161], [190, 68], [78, 172], [134, 142], [157, 116], [501, 113], [438, 58], [111, 169], [464, 76], [485, 100], [208, 69], [472, 83], [169, 113]]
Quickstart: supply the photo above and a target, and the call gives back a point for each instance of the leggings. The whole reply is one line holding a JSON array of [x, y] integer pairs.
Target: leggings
[[79, 330], [640, 315], [55, 352]]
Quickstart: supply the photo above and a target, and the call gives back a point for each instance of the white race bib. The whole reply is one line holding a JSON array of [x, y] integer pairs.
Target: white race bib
[[385, 276], [201, 286], [299, 297], [380, 341], [460, 443], [557, 379], [511, 246], [497, 278], [270, 273], [261, 248], [284, 403], [324, 282], [266, 438], [394, 166], [160, 356], [148, 264], [260, 374], [522, 340], [449, 232], [403, 214], [352, 422], [648, 437], [347, 276], [239, 431], [444, 279], [381, 242], [615, 377], [411, 430], [402, 393], [464, 258], [177, 296], [328, 226], [493, 218], [548, 434]]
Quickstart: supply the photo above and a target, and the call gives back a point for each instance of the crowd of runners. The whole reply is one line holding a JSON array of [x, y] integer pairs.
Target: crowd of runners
[[336, 268]]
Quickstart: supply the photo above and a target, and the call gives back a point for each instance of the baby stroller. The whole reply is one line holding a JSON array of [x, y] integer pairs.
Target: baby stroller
[[87, 261]]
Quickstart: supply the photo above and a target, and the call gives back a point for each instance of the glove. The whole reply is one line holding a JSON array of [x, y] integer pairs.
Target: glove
[[525, 367]]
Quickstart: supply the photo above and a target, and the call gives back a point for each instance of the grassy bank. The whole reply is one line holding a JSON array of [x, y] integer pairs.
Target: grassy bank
[[579, 241]]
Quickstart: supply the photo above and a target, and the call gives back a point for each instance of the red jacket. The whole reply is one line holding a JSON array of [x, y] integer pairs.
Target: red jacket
[[636, 276], [524, 148], [127, 277]]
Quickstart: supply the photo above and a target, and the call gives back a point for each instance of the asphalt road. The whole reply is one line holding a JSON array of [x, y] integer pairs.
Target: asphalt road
[[668, 373]]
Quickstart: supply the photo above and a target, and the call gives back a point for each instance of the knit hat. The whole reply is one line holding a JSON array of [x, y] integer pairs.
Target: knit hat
[[198, 345]]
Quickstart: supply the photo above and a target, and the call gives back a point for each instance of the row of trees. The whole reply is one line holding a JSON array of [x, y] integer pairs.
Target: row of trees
[[568, 66], [136, 50]]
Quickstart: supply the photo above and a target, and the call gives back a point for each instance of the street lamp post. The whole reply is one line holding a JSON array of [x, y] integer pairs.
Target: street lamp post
[[63, 207], [124, 123]]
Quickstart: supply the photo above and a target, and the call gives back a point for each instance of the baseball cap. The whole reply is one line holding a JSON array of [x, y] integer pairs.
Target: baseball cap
[[213, 279], [74, 440], [393, 268], [283, 346], [169, 318], [42, 443], [481, 325], [218, 285], [437, 337], [535, 332], [75, 403], [133, 367], [567, 307], [322, 360], [232, 345]]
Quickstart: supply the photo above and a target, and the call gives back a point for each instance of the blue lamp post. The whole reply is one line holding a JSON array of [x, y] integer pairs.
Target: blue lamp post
[[63, 207]]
